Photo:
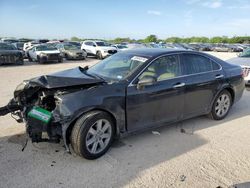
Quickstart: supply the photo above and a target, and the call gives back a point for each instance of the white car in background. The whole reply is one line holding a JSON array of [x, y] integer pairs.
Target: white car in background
[[120, 47], [44, 53], [243, 60], [27, 46], [98, 48]]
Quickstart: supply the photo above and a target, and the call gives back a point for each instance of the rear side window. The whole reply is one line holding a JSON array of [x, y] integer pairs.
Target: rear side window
[[193, 64]]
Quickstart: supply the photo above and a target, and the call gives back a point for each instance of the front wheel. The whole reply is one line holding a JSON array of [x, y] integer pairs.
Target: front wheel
[[92, 134], [60, 60], [221, 106], [39, 60], [99, 55]]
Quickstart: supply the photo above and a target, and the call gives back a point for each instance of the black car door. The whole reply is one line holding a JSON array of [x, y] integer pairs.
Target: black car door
[[159, 102], [202, 81]]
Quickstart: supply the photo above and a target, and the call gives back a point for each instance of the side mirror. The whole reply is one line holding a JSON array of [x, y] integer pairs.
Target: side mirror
[[146, 81], [94, 45]]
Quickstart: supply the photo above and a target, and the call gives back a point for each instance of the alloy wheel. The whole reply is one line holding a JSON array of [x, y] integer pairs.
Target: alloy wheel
[[98, 136]]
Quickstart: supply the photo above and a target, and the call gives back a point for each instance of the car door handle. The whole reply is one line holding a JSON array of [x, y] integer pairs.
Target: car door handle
[[219, 76], [178, 85]]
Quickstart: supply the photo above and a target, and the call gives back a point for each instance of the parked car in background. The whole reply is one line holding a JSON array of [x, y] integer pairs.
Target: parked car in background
[[28, 45], [25, 40], [120, 47], [221, 48], [44, 53], [135, 45], [19, 46], [98, 48], [131, 91], [234, 48], [9, 40], [9, 54], [70, 51], [78, 44], [243, 60], [186, 46]]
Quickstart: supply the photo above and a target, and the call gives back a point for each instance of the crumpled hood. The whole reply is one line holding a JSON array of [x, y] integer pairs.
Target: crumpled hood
[[67, 78]]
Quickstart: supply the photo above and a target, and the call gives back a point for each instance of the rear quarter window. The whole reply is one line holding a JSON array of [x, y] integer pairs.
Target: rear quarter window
[[194, 64]]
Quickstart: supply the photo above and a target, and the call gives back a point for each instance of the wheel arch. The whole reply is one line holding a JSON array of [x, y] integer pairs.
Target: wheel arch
[[72, 123], [225, 87], [231, 91]]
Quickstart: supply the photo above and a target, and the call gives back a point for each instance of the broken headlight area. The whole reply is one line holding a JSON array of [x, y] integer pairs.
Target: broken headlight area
[[40, 118]]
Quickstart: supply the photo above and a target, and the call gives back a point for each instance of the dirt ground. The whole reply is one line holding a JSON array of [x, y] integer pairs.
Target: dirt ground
[[205, 153]]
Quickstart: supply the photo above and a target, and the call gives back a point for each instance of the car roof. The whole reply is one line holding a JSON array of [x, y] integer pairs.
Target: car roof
[[153, 52]]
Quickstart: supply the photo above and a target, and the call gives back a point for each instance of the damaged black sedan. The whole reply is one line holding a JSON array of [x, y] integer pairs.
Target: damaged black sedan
[[128, 92]]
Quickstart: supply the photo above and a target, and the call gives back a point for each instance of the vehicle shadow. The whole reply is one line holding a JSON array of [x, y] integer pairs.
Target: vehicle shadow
[[241, 185], [125, 161]]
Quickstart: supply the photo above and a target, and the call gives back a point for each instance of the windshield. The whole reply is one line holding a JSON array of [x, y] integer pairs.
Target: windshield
[[71, 47], [121, 46], [4, 46], [117, 67], [45, 48], [245, 53], [101, 44]]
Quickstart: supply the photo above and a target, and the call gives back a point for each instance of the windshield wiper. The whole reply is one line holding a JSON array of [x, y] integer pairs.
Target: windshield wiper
[[84, 70], [97, 76]]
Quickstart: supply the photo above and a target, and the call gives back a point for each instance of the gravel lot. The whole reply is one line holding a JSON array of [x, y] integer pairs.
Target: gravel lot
[[205, 153]]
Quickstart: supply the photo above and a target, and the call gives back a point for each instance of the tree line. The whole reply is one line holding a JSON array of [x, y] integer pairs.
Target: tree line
[[154, 38]]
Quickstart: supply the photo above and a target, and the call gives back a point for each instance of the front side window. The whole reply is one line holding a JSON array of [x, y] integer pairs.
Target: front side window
[[163, 68], [194, 64]]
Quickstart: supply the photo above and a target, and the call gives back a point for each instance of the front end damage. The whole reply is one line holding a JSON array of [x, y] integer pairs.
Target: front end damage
[[37, 103]]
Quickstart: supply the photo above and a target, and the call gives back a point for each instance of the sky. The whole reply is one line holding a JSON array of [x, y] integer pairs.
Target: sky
[[136, 19]]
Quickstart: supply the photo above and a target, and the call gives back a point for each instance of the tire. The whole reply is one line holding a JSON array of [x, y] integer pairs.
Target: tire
[[66, 57], [221, 106], [86, 130], [99, 55], [60, 60], [20, 63], [39, 60], [29, 58]]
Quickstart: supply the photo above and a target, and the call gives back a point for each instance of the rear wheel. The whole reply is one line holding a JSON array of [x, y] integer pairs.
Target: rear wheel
[[221, 106], [92, 134]]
